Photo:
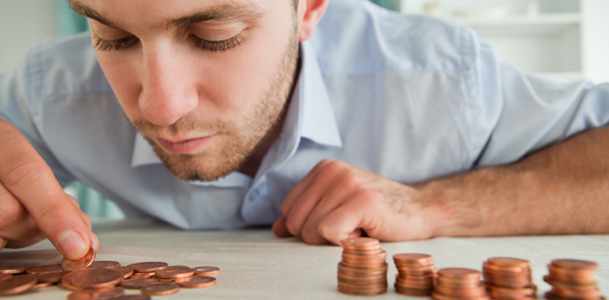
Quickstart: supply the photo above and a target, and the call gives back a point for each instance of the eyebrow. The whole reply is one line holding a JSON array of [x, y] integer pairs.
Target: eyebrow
[[229, 10]]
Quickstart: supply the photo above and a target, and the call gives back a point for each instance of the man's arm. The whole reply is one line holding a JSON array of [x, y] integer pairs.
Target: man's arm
[[563, 188]]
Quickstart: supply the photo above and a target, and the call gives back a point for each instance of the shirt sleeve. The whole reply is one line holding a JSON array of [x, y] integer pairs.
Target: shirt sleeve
[[518, 113], [17, 98]]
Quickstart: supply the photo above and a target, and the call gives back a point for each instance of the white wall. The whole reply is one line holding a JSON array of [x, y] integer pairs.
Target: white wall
[[23, 23]]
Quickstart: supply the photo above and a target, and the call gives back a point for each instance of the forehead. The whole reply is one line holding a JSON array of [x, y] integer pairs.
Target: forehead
[[162, 13]]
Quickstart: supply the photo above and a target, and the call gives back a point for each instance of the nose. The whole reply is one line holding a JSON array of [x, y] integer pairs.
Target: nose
[[168, 91]]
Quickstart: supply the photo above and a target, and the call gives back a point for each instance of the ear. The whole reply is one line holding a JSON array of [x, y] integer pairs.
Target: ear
[[309, 14]]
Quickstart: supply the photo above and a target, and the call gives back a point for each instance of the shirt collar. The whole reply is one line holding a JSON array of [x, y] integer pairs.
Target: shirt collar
[[309, 115]]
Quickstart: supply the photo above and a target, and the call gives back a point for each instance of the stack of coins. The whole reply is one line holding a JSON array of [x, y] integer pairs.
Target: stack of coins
[[416, 274], [572, 279], [459, 284], [363, 269], [508, 278]]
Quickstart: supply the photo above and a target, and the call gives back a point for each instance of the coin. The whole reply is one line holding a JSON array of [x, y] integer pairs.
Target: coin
[[137, 283], [127, 271], [96, 278], [147, 267], [44, 269], [170, 272], [196, 282], [16, 284], [105, 264], [572, 279], [206, 270], [12, 270], [96, 294], [51, 277], [79, 264], [160, 289], [5, 276], [132, 297]]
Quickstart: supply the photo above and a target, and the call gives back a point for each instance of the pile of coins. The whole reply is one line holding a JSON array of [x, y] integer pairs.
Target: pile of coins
[[106, 279], [363, 269], [416, 274], [572, 279], [508, 278], [459, 284]]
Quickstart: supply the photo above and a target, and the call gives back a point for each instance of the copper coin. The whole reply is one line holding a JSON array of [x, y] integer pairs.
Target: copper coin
[[79, 264], [41, 285], [170, 272], [96, 278], [412, 291], [575, 264], [196, 282], [127, 271], [477, 291], [206, 270], [16, 284], [96, 294], [105, 264], [147, 267], [507, 262], [132, 297], [567, 285], [142, 275], [360, 243], [567, 275], [51, 277], [362, 292], [414, 259], [163, 280], [12, 270], [438, 296], [5, 276], [138, 283], [160, 289], [459, 273], [44, 269], [65, 282]]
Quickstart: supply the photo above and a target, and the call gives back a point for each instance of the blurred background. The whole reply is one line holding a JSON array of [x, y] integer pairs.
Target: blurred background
[[558, 38]]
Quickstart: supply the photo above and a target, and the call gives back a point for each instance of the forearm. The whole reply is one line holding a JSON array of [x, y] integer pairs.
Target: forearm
[[558, 190]]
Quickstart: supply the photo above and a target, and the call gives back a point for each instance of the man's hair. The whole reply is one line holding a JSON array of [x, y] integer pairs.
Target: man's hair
[[295, 2]]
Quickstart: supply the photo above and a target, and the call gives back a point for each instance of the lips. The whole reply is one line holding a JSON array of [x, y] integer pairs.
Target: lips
[[184, 146]]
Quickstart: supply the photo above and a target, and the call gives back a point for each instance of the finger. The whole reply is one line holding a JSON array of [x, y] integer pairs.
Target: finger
[[2, 243], [333, 199], [16, 226], [94, 241], [279, 228], [345, 220], [25, 174], [302, 186]]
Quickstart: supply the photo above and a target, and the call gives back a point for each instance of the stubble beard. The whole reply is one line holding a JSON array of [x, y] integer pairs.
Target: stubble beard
[[267, 114]]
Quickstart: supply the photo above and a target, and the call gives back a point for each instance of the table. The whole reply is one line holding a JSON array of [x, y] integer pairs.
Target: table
[[256, 265]]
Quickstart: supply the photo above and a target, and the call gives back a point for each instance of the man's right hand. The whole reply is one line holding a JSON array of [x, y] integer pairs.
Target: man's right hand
[[32, 203]]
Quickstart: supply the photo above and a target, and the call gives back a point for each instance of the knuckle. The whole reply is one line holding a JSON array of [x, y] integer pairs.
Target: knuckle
[[292, 226], [22, 172], [311, 236], [11, 212]]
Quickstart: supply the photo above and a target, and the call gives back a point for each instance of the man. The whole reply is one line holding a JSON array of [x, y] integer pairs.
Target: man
[[397, 127]]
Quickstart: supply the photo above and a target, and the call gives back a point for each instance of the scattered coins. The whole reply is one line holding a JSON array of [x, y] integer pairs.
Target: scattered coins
[[106, 279], [572, 279], [509, 278], [416, 274], [363, 269]]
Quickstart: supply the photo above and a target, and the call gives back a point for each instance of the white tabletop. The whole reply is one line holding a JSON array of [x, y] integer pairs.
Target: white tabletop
[[256, 265]]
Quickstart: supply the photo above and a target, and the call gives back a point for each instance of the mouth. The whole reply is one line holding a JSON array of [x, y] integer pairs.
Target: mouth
[[188, 146]]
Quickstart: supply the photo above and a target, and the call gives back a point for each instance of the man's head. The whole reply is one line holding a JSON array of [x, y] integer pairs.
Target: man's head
[[205, 81]]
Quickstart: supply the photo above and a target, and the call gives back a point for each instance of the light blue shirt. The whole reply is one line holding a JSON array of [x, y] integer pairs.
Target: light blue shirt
[[408, 97]]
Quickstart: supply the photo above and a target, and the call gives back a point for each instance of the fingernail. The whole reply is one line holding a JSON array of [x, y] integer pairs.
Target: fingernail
[[94, 242], [72, 244]]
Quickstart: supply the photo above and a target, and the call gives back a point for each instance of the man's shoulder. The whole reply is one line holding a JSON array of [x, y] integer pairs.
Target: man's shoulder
[[358, 36], [63, 66]]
